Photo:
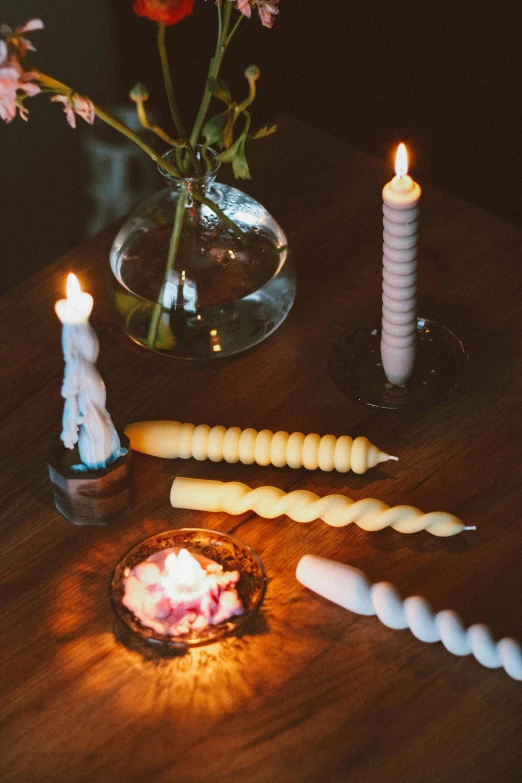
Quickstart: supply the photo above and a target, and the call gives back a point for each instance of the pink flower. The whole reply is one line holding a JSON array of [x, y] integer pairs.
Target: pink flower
[[25, 43], [18, 42], [14, 81], [267, 9], [76, 105], [244, 7]]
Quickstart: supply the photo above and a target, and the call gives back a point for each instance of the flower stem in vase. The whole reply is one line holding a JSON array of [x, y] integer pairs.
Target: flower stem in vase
[[63, 89], [169, 88], [171, 258], [219, 212], [213, 72]]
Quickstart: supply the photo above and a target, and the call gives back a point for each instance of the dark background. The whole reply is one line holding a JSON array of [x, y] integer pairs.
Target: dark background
[[445, 77]]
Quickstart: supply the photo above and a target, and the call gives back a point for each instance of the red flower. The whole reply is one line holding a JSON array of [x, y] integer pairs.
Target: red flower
[[166, 11]]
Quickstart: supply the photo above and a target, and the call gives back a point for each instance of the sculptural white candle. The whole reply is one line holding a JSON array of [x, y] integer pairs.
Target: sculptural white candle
[[399, 288], [85, 419], [349, 587]]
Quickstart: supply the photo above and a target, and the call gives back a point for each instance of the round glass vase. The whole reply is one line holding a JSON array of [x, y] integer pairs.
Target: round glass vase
[[188, 283]]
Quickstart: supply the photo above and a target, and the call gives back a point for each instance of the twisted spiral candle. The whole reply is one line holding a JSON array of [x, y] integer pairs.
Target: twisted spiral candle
[[303, 506], [174, 439], [399, 288], [350, 588]]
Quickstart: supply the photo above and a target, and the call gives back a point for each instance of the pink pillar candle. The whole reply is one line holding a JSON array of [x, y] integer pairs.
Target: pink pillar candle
[[399, 288], [174, 592]]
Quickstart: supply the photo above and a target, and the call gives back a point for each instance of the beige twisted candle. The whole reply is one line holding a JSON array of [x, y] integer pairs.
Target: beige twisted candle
[[350, 588], [303, 506], [174, 439]]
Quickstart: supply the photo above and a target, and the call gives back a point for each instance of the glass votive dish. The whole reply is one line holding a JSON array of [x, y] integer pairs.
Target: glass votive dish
[[227, 551]]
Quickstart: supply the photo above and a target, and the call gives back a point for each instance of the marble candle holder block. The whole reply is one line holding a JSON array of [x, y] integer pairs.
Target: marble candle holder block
[[90, 497]]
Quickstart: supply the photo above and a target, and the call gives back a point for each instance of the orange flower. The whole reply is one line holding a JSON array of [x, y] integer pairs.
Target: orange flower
[[166, 11]]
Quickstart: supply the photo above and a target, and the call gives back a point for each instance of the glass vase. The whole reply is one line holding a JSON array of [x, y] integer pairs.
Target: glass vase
[[191, 283]]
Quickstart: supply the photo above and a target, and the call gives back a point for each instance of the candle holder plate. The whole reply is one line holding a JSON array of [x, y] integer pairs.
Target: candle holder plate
[[230, 552], [441, 368]]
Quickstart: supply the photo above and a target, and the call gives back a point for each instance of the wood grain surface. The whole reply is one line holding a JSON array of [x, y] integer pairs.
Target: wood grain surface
[[308, 692]]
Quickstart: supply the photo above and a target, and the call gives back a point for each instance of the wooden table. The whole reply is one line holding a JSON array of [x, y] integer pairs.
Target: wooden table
[[309, 691]]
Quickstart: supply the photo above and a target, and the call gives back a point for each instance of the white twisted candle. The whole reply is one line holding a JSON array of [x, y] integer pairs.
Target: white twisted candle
[[173, 439], [303, 506], [399, 288], [350, 588]]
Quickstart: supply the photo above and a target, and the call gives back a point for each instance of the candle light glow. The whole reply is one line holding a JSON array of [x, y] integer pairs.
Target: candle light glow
[[77, 308], [401, 182], [401, 160], [175, 593], [72, 287], [185, 579]]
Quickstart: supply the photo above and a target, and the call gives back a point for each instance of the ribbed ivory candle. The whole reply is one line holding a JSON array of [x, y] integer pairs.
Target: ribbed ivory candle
[[173, 439], [349, 587], [399, 287]]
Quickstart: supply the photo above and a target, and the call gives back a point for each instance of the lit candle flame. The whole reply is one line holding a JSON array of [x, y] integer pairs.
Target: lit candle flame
[[401, 161], [73, 288], [185, 578], [77, 307]]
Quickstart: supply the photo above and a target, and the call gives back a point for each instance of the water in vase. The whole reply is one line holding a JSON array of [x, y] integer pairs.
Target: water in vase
[[222, 295]]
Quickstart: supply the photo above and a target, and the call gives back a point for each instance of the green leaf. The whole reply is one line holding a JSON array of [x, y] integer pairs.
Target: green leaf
[[236, 156], [240, 165], [213, 130], [266, 131], [228, 155], [219, 90]]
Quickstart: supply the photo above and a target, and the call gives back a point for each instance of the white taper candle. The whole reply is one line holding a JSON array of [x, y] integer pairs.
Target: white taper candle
[[399, 288], [350, 588]]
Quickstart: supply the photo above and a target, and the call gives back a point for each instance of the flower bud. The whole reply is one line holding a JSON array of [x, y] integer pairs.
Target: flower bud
[[139, 93], [252, 73]]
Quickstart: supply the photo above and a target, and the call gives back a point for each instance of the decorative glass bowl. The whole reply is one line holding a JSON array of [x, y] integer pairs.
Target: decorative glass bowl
[[231, 553]]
